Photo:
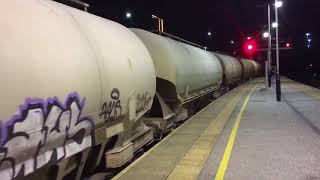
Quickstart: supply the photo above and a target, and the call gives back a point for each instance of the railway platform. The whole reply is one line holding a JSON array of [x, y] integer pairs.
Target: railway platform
[[245, 134]]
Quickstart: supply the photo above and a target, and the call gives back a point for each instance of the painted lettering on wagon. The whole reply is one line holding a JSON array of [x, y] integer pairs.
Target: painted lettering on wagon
[[112, 109], [43, 132], [143, 102]]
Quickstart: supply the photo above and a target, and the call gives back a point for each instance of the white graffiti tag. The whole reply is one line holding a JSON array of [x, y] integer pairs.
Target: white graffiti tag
[[43, 133]]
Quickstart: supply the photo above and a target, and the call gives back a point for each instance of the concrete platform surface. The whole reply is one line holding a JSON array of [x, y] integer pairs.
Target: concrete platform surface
[[245, 134]]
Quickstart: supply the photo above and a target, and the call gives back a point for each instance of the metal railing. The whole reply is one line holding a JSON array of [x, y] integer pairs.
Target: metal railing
[[179, 39]]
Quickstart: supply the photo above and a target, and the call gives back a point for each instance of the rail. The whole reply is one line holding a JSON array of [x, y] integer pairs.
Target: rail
[[76, 2], [179, 39]]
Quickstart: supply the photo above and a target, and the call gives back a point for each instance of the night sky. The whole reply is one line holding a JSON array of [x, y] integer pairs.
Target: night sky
[[227, 20]]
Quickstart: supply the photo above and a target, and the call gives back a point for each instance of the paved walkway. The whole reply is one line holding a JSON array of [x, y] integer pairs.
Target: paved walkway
[[275, 140]]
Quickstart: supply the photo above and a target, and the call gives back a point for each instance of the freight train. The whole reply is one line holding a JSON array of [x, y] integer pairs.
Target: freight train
[[79, 91]]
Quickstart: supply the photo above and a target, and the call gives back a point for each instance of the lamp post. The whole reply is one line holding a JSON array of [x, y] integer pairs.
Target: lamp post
[[309, 42], [160, 23], [269, 47], [267, 63], [278, 82], [308, 34], [267, 34]]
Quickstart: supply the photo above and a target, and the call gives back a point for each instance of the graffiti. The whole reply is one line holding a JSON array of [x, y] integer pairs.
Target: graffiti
[[43, 132], [112, 110], [143, 102]]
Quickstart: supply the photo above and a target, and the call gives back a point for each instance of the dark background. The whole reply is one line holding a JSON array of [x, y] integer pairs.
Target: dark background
[[228, 20]]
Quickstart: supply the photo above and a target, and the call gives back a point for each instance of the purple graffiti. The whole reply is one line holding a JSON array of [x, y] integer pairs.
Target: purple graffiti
[[43, 132]]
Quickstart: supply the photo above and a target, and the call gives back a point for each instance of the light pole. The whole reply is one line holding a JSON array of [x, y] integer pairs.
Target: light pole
[[309, 42], [267, 34], [129, 18], [160, 23], [278, 83], [308, 34], [269, 47]]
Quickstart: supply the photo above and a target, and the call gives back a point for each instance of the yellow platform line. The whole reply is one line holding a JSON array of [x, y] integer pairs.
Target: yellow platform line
[[226, 156], [190, 166]]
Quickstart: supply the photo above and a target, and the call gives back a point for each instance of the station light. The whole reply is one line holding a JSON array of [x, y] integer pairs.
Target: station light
[[309, 40], [265, 34], [231, 42], [249, 47], [278, 4], [274, 24], [288, 45], [128, 15], [209, 33]]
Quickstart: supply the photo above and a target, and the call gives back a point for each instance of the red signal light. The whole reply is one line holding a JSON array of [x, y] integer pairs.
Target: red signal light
[[249, 47], [288, 45]]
